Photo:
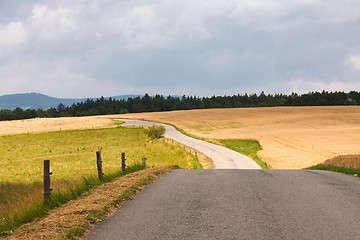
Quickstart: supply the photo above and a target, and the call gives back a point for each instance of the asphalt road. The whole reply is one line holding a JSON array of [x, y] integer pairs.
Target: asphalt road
[[240, 204], [222, 157]]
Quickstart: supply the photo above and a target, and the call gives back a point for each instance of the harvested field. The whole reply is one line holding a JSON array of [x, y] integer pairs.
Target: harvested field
[[52, 124], [291, 137]]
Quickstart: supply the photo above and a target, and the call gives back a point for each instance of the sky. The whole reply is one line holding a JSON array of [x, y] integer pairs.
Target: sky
[[92, 48]]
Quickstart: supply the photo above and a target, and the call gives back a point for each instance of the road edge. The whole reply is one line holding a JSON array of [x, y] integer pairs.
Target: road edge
[[76, 218]]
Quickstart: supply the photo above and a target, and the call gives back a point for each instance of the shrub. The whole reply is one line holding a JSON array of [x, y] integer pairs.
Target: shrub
[[156, 131]]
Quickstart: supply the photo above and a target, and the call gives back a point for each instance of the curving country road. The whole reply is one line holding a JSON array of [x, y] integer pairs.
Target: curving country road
[[238, 204], [222, 157]]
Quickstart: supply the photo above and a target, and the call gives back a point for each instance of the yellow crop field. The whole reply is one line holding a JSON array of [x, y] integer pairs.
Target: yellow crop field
[[291, 137], [37, 125]]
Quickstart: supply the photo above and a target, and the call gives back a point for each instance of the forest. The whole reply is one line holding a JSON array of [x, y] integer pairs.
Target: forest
[[159, 103]]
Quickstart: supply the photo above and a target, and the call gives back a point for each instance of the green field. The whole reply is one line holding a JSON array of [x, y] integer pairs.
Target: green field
[[72, 156], [246, 147]]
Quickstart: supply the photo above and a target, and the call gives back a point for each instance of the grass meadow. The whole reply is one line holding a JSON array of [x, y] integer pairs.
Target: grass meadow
[[72, 156], [249, 148]]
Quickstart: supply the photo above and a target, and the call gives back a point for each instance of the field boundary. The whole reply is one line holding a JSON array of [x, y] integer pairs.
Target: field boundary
[[59, 198], [349, 171], [75, 218]]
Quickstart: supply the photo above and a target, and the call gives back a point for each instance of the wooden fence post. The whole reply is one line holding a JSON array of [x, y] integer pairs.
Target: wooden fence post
[[99, 165], [144, 161], [123, 159], [47, 174]]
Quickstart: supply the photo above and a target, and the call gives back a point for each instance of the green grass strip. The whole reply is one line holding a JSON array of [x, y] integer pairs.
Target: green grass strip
[[193, 136], [350, 171], [246, 147], [59, 198]]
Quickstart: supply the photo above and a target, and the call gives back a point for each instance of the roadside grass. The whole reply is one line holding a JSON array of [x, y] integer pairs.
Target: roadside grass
[[246, 147], [100, 215], [38, 209], [348, 164], [350, 171], [194, 136], [348, 161], [73, 163]]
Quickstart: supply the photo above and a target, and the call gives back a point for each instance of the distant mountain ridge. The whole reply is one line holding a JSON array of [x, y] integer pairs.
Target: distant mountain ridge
[[41, 101]]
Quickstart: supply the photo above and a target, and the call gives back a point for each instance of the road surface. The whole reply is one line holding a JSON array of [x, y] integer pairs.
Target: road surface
[[223, 158], [240, 204]]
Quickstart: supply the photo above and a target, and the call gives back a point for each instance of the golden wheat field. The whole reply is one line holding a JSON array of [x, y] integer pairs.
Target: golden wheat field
[[37, 125], [291, 137]]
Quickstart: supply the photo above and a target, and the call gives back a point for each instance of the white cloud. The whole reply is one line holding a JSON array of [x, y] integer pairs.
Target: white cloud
[[39, 11], [52, 24], [30, 75], [56, 77], [354, 61], [338, 12], [141, 27], [177, 45], [312, 84], [11, 35], [225, 61], [286, 15]]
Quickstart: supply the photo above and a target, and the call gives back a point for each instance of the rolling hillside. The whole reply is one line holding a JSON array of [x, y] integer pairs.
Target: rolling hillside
[[38, 100]]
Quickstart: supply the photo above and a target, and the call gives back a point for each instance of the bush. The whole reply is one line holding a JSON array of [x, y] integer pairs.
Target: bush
[[156, 131]]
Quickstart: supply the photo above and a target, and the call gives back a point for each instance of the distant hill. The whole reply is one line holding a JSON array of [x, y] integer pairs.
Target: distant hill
[[38, 100]]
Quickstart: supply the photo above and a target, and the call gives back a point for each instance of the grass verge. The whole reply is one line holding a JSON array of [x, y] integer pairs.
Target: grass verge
[[246, 147], [346, 170], [193, 136], [75, 218], [59, 198], [348, 164]]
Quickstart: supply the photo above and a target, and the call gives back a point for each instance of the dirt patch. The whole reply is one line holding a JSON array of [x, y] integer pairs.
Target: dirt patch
[[348, 161], [60, 220], [291, 137]]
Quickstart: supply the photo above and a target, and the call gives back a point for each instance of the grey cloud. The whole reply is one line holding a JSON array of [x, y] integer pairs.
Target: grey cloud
[[175, 47]]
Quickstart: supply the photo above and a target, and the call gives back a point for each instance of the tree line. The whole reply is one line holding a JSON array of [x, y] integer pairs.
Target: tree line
[[159, 103]]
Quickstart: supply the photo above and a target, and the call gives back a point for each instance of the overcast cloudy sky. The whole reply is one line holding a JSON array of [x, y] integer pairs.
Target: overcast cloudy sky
[[89, 48]]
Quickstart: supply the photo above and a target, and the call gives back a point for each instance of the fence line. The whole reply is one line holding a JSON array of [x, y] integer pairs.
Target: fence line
[[47, 173]]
